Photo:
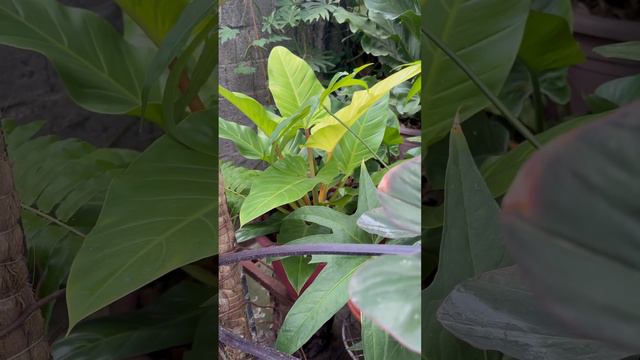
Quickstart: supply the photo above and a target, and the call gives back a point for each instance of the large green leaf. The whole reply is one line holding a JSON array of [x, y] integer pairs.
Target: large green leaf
[[205, 336], [155, 17], [370, 128], [620, 91], [471, 244], [101, 71], [159, 215], [292, 81], [283, 182], [488, 47], [628, 50], [318, 303], [249, 143], [378, 345], [252, 109], [496, 311], [548, 43], [170, 321], [387, 291], [393, 9], [571, 222]]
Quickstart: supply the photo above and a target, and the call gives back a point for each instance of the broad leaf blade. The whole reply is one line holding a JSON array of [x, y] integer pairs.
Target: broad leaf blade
[[252, 109], [378, 345], [628, 50], [249, 143], [155, 17]]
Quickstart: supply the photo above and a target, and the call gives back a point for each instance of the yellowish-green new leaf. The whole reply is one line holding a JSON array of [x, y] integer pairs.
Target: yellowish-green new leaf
[[329, 131], [265, 120], [155, 17]]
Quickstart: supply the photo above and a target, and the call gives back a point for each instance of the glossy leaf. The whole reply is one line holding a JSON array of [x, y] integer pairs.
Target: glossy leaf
[[628, 50], [320, 301], [387, 291], [471, 244], [252, 109], [489, 48], [159, 215], [350, 152], [393, 9], [249, 143], [291, 81], [496, 311], [170, 321], [329, 131], [570, 221], [155, 17], [548, 43], [378, 345], [283, 182], [102, 72]]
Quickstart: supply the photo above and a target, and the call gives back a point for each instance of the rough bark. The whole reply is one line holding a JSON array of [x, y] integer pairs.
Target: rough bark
[[27, 341], [231, 304]]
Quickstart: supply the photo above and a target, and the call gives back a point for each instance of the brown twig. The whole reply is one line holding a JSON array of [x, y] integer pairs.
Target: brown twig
[[30, 310]]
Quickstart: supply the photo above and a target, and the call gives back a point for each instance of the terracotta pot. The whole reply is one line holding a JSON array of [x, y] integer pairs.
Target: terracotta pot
[[593, 31]]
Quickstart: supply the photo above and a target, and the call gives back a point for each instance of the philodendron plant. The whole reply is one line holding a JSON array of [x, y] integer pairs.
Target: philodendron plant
[[317, 189]]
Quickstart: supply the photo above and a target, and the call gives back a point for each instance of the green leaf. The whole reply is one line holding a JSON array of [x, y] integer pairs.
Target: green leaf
[[627, 50], [283, 182], [155, 17], [370, 128], [102, 72], [393, 9], [496, 311], [251, 108], [320, 301], [378, 345], [227, 33], [291, 81], [387, 291], [204, 337], [249, 143], [471, 244], [548, 43], [159, 215], [620, 91], [582, 255], [251, 231], [489, 48], [170, 321]]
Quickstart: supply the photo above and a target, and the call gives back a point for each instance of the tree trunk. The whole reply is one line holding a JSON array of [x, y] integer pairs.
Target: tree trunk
[[231, 304], [27, 341]]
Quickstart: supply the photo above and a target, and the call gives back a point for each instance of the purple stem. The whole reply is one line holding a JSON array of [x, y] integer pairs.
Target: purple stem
[[260, 352]]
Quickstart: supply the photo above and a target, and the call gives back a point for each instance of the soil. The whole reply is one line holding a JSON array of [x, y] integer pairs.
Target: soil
[[618, 9]]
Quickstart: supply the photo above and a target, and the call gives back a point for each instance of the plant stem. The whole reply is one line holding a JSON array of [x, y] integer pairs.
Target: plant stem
[[312, 166], [53, 220], [517, 124], [537, 100]]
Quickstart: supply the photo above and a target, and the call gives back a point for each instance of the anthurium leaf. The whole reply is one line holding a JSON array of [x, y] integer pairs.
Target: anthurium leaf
[[489, 48], [500, 171], [155, 17], [298, 268], [387, 291], [252, 109], [102, 72], [378, 345], [399, 193], [548, 43], [320, 301], [328, 132], [285, 181], [370, 129], [170, 321], [558, 240], [157, 216], [627, 50], [471, 244], [248, 142], [496, 311], [292, 81]]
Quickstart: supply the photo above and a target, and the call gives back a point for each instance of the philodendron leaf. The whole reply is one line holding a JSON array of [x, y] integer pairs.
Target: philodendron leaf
[[252, 109], [158, 216], [102, 72], [489, 48], [248, 142], [627, 50], [571, 222], [155, 17], [496, 311], [378, 345], [387, 291], [170, 321], [471, 244], [328, 132], [292, 81], [283, 182], [399, 193], [320, 301]]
